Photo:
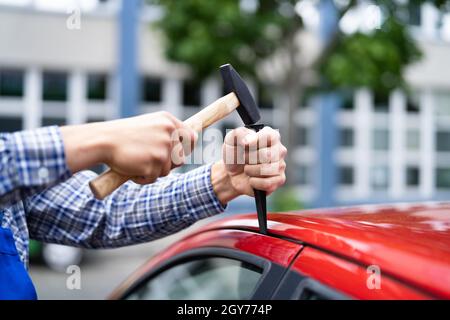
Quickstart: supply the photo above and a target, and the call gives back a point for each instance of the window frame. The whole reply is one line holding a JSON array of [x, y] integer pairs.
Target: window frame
[[294, 284], [270, 277]]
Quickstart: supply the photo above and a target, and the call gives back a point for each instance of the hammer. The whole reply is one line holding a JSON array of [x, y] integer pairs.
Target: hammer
[[239, 98]]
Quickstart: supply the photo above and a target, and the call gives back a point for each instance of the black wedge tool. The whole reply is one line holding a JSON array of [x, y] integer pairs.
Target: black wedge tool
[[250, 115]]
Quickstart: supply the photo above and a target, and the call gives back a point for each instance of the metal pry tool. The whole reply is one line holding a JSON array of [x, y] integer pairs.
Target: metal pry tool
[[250, 115]]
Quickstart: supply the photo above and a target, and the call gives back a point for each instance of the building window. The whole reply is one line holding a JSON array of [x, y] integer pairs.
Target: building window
[[54, 86], [347, 101], [380, 178], [381, 139], [191, 93], [346, 175], [303, 136], [346, 136], [303, 175], [414, 13], [381, 102], [46, 122], [443, 141], [412, 139], [413, 104], [306, 99], [412, 176], [442, 103], [151, 89], [265, 99], [11, 83], [443, 178], [10, 124], [97, 86]]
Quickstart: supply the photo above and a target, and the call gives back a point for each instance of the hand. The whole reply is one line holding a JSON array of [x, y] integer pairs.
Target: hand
[[250, 161], [146, 146]]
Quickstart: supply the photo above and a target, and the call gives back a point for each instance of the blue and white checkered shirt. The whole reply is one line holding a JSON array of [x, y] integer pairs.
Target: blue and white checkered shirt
[[42, 200]]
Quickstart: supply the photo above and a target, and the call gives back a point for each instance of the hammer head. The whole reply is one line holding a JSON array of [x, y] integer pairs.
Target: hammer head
[[248, 110]]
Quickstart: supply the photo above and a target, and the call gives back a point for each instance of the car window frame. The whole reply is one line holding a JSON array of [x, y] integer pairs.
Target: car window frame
[[271, 275], [294, 284]]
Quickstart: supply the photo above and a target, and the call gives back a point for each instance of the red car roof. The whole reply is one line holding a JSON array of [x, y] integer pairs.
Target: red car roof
[[408, 241]]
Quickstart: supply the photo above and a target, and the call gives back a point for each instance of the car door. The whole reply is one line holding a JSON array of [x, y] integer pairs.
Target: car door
[[218, 264], [317, 274]]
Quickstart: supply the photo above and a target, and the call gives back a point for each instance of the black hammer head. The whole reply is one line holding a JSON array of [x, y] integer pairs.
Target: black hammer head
[[248, 110]]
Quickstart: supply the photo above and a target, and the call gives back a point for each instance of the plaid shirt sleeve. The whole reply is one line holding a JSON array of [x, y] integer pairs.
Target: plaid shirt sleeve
[[31, 159], [69, 214]]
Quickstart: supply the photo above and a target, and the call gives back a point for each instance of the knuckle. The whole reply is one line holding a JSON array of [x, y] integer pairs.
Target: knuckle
[[160, 157], [166, 141], [168, 125], [165, 114], [146, 171], [282, 179]]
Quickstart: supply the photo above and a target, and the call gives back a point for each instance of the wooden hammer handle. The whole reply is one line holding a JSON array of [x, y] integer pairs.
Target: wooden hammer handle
[[103, 185]]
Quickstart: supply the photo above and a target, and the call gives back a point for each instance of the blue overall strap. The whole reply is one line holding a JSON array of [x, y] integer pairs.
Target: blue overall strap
[[15, 283]]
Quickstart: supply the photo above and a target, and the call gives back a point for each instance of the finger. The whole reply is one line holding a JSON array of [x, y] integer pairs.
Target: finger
[[265, 138], [236, 137], [166, 168], [188, 137], [266, 155], [144, 180], [177, 156], [265, 170], [178, 123], [151, 177], [268, 184], [233, 154]]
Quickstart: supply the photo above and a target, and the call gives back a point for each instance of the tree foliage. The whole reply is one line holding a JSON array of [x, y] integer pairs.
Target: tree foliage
[[206, 34], [374, 60]]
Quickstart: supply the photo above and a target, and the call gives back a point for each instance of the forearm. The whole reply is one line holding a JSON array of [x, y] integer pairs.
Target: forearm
[[30, 159], [69, 214]]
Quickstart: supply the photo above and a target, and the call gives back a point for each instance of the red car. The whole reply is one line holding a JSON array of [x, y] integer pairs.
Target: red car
[[370, 252]]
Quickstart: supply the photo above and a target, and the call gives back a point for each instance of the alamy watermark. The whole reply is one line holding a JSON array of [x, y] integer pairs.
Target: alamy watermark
[[73, 22], [237, 148], [73, 281]]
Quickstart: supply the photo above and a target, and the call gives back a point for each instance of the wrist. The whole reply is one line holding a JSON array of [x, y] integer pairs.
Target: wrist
[[85, 145], [221, 183]]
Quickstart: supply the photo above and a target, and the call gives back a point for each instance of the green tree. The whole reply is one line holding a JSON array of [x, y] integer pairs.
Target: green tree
[[206, 34]]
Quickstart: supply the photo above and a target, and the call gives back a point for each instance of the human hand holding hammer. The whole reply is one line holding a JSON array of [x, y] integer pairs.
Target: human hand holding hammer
[[138, 147]]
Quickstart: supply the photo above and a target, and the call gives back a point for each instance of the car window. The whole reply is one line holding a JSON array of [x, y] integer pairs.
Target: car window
[[208, 278]]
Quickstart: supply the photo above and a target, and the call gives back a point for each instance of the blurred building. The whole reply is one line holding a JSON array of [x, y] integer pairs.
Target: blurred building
[[390, 148]]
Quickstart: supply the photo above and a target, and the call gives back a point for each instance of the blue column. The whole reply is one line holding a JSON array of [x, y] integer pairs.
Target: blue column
[[128, 76], [326, 130]]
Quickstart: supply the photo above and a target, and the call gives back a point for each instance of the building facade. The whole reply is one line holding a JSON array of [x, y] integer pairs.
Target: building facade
[[394, 148]]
